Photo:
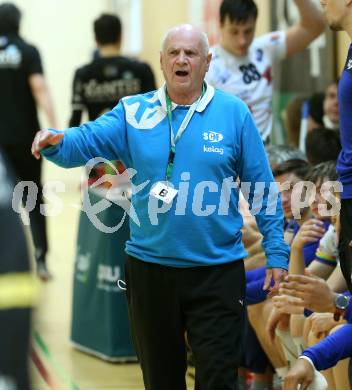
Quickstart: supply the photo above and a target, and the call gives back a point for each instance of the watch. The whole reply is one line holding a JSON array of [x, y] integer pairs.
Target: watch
[[341, 303]]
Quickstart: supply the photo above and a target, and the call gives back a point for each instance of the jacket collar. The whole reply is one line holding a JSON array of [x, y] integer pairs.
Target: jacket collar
[[205, 100]]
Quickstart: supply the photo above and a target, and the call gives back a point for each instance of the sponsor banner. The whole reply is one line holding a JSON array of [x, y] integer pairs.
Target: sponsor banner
[[99, 311]]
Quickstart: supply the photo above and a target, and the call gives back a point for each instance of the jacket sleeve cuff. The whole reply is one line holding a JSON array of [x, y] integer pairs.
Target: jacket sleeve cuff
[[50, 150], [307, 355], [277, 262], [308, 360]]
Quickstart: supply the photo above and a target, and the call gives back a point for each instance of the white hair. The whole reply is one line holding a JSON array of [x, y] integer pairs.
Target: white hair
[[187, 27]]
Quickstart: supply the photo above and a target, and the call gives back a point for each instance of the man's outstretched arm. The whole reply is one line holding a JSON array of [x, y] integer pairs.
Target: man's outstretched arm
[[105, 137]]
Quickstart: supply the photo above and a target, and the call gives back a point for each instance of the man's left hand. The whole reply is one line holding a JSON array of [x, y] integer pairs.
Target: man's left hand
[[278, 274]]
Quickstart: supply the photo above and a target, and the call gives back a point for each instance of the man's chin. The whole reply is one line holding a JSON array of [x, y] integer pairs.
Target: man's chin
[[182, 84], [240, 53]]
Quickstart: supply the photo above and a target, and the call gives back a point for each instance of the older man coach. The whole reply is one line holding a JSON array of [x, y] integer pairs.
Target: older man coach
[[185, 272]]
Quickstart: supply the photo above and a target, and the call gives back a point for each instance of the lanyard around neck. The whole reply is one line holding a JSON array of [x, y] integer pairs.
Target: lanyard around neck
[[174, 138]]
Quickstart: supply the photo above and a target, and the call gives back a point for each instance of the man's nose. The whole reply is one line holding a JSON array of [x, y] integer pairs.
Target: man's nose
[[242, 40], [181, 58]]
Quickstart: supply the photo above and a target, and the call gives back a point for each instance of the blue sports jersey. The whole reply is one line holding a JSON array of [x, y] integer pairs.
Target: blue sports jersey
[[344, 162], [203, 224], [335, 347]]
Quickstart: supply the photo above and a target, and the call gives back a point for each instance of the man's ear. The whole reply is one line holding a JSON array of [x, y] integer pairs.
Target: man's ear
[[209, 56], [161, 60]]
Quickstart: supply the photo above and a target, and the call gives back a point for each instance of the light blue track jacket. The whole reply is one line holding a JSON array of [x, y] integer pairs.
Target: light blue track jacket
[[203, 225]]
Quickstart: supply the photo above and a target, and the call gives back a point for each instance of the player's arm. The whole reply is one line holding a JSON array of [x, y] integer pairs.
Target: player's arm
[[39, 86], [105, 137], [310, 25], [42, 96]]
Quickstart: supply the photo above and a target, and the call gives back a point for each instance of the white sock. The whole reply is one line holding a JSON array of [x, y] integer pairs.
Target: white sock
[[281, 372], [299, 343], [288, 346]]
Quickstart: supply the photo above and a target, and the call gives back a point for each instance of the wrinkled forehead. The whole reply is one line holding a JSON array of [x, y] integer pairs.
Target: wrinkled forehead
[[183, 39]]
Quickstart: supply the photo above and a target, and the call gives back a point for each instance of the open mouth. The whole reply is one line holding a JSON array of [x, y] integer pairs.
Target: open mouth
[[181, 73]]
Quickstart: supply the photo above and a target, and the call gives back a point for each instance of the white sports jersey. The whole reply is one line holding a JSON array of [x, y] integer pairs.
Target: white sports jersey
[[250, 77]]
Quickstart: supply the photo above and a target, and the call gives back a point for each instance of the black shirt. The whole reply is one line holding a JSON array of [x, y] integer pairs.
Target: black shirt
[[99, 86], [14, 256], [18, 61]]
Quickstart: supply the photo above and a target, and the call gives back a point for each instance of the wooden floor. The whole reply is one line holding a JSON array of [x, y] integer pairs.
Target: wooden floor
[[55, 364]]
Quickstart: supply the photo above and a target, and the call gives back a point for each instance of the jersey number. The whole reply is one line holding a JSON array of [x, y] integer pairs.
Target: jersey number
[[250, 73]]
